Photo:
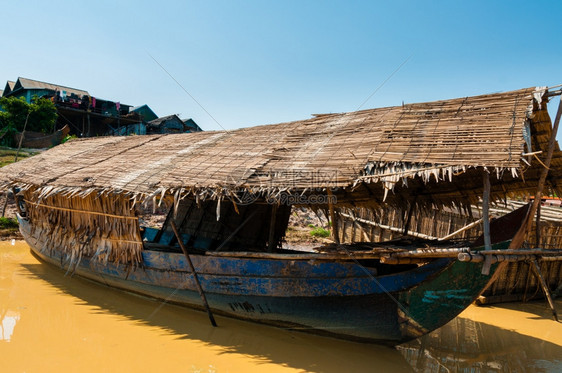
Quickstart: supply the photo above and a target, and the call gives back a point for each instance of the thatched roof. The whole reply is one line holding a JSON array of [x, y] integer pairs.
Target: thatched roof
[[434, 150]]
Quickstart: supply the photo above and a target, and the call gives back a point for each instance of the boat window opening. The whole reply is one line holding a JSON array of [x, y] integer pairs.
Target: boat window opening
[[240, 227], [151, 220]]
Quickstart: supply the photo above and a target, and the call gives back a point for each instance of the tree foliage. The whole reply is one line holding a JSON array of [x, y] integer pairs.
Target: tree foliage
[[14, 112]]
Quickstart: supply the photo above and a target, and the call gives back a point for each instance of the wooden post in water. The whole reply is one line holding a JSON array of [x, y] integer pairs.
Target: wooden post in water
[[545, 288], [192, 268]]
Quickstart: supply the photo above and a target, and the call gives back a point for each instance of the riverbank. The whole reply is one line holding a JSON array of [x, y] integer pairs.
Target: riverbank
[[8, 222]]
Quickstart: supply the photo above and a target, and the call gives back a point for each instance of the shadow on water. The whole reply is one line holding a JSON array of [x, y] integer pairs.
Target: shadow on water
[[266, 344], [464, 345]]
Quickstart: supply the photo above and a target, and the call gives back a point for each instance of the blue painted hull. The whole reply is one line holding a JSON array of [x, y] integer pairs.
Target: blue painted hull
[[340, 299]]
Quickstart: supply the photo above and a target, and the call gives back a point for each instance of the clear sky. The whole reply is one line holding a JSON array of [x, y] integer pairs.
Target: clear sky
[[259, 62]]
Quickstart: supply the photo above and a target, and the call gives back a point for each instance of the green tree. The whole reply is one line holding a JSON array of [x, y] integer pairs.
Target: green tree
[[15, 110]]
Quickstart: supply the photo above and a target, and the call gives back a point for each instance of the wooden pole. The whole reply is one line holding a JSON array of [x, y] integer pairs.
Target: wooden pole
[[538, 227], [520, 236], [89, 127], [459, 231], [271, 245], [384, 227], [192, 268], [409, 218], [5, 204], [545, 289], [20, 212], [335, 232], [486, 222]]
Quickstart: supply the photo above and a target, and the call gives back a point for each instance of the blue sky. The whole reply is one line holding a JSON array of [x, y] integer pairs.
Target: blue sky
[[257, 62]]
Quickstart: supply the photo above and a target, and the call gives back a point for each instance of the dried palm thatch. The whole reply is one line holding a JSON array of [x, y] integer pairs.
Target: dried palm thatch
[[428, 154], [377, 150], [103, 227]]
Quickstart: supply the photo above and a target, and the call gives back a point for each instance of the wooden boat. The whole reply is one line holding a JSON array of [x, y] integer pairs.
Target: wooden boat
[[39, 140], [342, 296], [229, 197]]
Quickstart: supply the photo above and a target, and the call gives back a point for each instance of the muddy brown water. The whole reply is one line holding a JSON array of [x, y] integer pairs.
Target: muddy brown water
[[53, 323]]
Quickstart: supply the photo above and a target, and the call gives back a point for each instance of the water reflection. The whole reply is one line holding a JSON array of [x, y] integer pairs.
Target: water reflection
[[465, 345], [72, 322], [79, 321], [9, 321]]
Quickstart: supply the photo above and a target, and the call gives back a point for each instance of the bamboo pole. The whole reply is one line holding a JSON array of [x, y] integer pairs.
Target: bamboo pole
[[430, 253], [459, 231], [192, 268], [522, 252], [304, 256], [394, 260], [552, 258], [388, 227], [496, 258]]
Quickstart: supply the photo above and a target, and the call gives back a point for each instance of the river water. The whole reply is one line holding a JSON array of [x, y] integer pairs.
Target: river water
[[53, 323]]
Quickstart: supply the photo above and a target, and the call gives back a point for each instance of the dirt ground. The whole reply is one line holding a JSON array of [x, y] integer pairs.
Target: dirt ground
[[10, 233], [301, 223]]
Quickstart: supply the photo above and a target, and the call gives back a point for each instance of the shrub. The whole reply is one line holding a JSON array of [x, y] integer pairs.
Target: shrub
[[6, 223], [319, 232]]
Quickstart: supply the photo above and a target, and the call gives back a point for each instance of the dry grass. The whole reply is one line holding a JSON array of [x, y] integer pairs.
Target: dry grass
[[7, 155]]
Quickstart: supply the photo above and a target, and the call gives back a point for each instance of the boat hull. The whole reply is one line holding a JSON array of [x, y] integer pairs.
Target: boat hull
[[342, 300]]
